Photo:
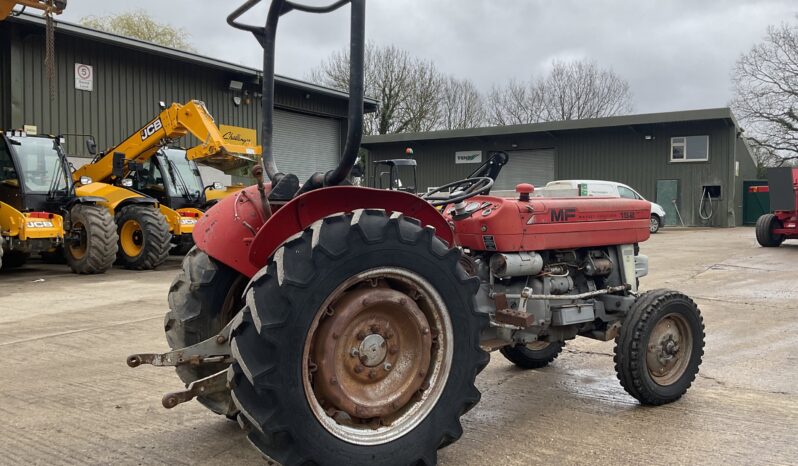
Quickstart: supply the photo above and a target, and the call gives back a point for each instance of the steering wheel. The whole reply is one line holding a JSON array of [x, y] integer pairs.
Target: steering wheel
[[470, 187]]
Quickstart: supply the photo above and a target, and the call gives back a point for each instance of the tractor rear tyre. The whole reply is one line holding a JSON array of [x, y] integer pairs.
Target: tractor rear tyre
[[764, 231], [144, 238], [659, 348], [92, 249], [533, 355], [203, 298], [359, 345]]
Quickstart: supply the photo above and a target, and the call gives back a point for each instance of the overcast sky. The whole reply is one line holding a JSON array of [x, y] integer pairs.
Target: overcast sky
[[676, 54]]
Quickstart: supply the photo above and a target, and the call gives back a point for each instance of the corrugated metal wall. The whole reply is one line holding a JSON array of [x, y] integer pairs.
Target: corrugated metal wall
[[127, 87], [5, 80], [616, 153]]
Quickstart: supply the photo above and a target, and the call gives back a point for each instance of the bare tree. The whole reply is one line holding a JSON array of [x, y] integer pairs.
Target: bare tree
[[766, 95], [408, 89], [462, 106], [571, 91], [139, 24]]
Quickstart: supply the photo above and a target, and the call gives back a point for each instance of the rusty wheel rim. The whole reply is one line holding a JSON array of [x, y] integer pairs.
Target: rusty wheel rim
[[669, 348], [538, 345], [77, 249], [377, 356]]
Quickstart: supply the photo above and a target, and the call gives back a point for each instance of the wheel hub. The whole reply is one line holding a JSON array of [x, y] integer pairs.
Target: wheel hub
[[373, 350], [669, 349], [373, 353]]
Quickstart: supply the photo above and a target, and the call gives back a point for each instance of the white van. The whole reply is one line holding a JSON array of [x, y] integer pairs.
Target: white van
[[611, 189]]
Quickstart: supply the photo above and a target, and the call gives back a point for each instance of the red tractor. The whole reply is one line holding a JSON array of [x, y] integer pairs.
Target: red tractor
[[772, 229], [347, 325]]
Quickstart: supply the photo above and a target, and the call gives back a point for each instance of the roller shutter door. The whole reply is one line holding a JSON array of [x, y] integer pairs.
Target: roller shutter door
[[527, 166], [305, 144]]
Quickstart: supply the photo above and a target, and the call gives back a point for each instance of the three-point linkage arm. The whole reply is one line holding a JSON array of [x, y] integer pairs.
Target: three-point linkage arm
[[173, 123]]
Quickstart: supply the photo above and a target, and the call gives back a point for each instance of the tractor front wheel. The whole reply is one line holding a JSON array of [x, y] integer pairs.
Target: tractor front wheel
[[91, 244], [764, 231], [533, 355], [359, 345], [144, 238], [659, 348], [203, 298]]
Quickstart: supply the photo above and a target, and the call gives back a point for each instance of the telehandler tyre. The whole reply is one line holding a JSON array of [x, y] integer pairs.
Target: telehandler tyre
[[203, 298], [764, 231], [359, 345], [659, 348], [144, 238], [534, 355], [95, 249]]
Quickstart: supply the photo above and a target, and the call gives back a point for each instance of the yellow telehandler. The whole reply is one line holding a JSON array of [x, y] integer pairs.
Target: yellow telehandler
[[151, 190], [40, 211]]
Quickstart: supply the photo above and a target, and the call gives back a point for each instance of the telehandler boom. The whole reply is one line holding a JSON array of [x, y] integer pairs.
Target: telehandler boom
[[147, 226]]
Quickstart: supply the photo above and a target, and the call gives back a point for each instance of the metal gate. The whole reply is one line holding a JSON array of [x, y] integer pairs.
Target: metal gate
[[304, 144], [527, 166]]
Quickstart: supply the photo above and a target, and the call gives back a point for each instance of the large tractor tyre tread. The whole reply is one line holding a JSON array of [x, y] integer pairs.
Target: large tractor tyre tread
[[98, 253], [155, 237], [283, 300], [203, 298], [15, 259], [764, 231], [530, 358], [633, 342]]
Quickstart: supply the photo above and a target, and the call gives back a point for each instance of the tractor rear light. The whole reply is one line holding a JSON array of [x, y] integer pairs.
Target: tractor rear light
[[44, 215]]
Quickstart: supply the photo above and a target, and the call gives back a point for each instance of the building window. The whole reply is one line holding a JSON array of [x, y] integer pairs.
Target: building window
[[690, 149]]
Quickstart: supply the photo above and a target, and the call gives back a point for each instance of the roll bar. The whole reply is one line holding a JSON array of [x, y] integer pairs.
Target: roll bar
[[267, 36]]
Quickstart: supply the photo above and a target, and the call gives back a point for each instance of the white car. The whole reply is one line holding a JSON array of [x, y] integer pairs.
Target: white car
[[612, 189]]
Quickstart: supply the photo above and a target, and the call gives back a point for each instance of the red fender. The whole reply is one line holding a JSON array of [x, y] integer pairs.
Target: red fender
[[234, 233]]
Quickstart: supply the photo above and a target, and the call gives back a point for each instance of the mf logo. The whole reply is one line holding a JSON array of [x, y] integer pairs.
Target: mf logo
[[563, 215], [151, 129]]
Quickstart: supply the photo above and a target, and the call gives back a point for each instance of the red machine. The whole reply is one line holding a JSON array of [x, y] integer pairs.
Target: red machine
[[772, 229], [347, 325]]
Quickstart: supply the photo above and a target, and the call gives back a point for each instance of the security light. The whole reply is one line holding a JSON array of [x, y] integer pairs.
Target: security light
[[236, 86]]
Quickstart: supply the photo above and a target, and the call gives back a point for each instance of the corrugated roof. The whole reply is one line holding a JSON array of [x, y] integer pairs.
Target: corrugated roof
[[723, 113], [136, 44]]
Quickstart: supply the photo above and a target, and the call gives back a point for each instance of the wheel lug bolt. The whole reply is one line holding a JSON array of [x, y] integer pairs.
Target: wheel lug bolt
[[333, 381], [375, 328], [358, 369], [372, 374], [361, 335], [393, 349], [387, 366], [354, 352]]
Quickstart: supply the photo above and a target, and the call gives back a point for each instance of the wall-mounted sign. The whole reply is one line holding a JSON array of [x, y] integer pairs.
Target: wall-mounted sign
[[84, 77], [238, 135], [468, 156]]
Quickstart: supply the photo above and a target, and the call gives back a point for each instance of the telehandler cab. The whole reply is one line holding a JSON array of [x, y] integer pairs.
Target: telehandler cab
[[347, 325], [40, 211], [150, 220]]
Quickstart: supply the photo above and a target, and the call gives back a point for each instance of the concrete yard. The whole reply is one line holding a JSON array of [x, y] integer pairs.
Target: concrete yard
[[67, 397]]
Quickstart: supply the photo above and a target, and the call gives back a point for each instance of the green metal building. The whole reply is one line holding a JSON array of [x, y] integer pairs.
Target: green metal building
[[108, 86], [670, 158]]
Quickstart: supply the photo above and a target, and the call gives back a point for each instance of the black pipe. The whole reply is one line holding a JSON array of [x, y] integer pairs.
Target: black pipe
[[267, 123]]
